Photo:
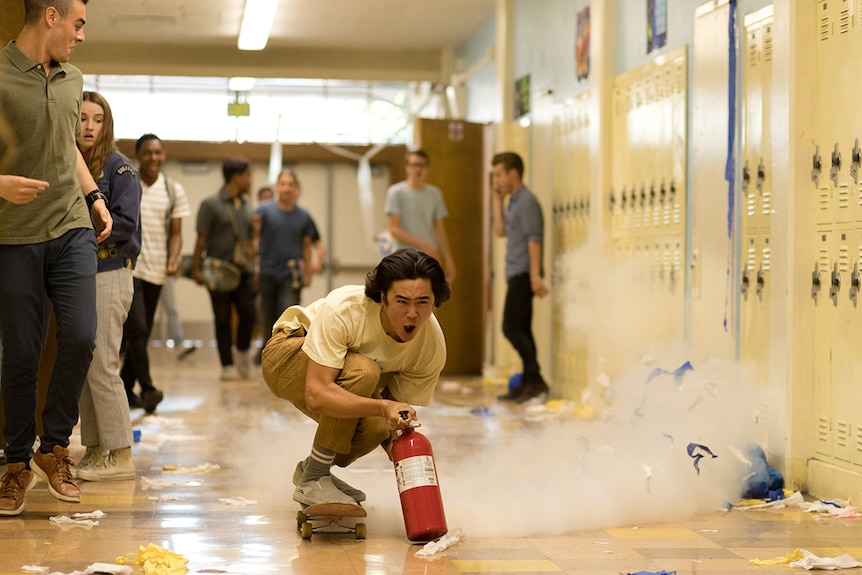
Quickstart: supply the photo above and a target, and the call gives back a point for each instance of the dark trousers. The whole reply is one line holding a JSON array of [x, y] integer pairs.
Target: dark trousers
[[276, 295], [517, 324], [242, 298], [62, 271], [136, 336]]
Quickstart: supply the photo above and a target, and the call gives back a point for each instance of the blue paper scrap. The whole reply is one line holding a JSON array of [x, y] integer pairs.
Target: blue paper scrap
[[697, 452]]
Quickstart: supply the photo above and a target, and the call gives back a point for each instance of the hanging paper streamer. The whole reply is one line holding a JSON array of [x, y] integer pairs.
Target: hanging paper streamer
[[697, 452], [677, 374], [366, 192], [275, 154]]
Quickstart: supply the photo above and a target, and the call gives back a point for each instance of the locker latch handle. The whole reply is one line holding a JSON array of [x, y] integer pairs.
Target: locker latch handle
[[746, 176], [745, 282], [855, 161], [855, 282], [836, 165], [761, 175], [815, 282], [816, 166], [761, 282], [835, 282]]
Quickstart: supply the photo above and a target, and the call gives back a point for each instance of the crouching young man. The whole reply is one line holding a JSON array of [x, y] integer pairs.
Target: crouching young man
[[354, 361]]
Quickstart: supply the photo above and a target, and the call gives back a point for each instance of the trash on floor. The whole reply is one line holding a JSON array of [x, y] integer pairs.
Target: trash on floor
[[790, 557], [197, 469], [760, 481], [811, 561], [156, 484], [662, 572], [64, 522], [156, 560], [434, 547], [113, 569], [237, 501]]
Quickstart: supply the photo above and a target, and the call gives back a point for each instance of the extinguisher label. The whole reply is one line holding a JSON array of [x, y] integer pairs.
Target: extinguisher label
[[417, 471]]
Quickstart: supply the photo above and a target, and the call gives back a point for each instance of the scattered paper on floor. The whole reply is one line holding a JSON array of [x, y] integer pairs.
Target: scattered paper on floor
[[112, 568], [811, 561], [156, 484], [65, 522], [433, 547], [792, 556], [197, 469], [157, 560], [237, 501]]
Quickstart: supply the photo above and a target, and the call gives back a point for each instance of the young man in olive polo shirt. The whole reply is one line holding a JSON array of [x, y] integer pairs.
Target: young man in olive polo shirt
[[47, 247]]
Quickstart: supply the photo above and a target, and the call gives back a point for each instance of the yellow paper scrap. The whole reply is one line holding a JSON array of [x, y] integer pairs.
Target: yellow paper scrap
[[789, 558], [156, 560]]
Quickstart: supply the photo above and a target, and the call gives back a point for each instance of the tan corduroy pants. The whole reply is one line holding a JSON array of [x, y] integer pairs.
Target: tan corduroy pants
[[284, 367]]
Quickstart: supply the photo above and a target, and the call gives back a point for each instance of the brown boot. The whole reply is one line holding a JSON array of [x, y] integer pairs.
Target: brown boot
[[56, 469], [15, 483]]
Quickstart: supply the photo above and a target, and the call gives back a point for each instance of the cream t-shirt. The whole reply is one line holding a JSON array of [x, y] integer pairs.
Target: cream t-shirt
[[347, 320]]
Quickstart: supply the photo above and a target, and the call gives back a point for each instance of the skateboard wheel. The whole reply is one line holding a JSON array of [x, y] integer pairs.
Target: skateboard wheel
[[300, 519], [360, 531], [306, 530]]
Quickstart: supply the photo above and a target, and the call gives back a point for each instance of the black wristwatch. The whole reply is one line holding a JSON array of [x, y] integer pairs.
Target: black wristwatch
[[93, 196]]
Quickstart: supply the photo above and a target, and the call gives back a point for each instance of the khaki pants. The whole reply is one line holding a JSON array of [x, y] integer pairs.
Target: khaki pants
[[284, 367]]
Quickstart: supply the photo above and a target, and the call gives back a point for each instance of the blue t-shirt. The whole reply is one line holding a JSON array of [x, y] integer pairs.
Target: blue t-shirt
[[281, 234]]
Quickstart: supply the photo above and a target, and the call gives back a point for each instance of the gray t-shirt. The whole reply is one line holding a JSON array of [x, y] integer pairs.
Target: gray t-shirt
[[418, 209]]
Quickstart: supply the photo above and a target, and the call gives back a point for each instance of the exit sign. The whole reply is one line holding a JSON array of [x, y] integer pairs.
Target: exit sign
[[238, 109]]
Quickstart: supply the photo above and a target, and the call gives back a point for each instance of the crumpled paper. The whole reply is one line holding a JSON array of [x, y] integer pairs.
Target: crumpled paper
[[792, 556], [811, 561], [662, 572], [95, 568], [237, 501], [65, 522], [434, 547], [197, 469], [156, 560]]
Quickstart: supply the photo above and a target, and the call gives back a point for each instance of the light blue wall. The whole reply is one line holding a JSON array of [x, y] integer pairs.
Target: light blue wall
[[544, 40]]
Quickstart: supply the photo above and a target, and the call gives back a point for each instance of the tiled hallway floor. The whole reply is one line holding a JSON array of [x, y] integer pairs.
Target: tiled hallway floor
[[211, 441]]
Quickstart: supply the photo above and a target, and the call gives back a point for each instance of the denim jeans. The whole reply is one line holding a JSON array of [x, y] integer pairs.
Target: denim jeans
[[62, 271], [276, 295], [517, 323]]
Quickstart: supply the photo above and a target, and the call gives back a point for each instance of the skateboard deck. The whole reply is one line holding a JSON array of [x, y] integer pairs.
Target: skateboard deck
[[330, 518]]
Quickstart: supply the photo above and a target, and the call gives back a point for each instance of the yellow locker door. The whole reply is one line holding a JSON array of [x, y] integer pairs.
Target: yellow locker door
[[844, 349], [823, 319]]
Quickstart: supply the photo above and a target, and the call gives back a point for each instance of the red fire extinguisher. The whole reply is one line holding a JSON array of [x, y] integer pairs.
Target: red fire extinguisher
[[416, 474]]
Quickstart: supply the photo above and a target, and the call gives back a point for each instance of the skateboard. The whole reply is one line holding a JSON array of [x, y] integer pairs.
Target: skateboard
[[329, 518], [219, 275]]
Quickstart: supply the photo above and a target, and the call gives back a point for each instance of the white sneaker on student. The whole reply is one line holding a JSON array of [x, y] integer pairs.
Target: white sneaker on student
[[243, 364], [229, 373]]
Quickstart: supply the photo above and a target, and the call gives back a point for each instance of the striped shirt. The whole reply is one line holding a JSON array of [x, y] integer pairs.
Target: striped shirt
[[155, 207]]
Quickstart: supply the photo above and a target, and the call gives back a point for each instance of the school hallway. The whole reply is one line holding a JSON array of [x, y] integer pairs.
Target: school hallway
[[214, 486]]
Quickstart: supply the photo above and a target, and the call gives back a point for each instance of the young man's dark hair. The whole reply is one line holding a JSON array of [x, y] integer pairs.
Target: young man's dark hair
[[407, 264], [34, 9], [234, 166], [510, 161], [419, 152], [145, 138]]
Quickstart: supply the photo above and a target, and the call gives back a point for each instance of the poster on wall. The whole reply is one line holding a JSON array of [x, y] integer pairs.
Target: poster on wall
[[521, 97], [582, 44], [656, 24]]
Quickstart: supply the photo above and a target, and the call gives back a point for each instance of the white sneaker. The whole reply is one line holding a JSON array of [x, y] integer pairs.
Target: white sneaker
[[243, 364], [229, 373], [116, 466], [320, 491]]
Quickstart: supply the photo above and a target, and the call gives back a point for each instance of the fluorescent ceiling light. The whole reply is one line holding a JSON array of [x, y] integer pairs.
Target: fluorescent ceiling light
[[240, 84], [256, 24]]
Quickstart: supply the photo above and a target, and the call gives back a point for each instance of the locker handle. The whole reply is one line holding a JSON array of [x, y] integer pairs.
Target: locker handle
[[855, 160], [836, 165], [815, 282], [855, 282], [835, 281], [761, 282], [816, 166], [745, 282], [746, 176], [761, 175]]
